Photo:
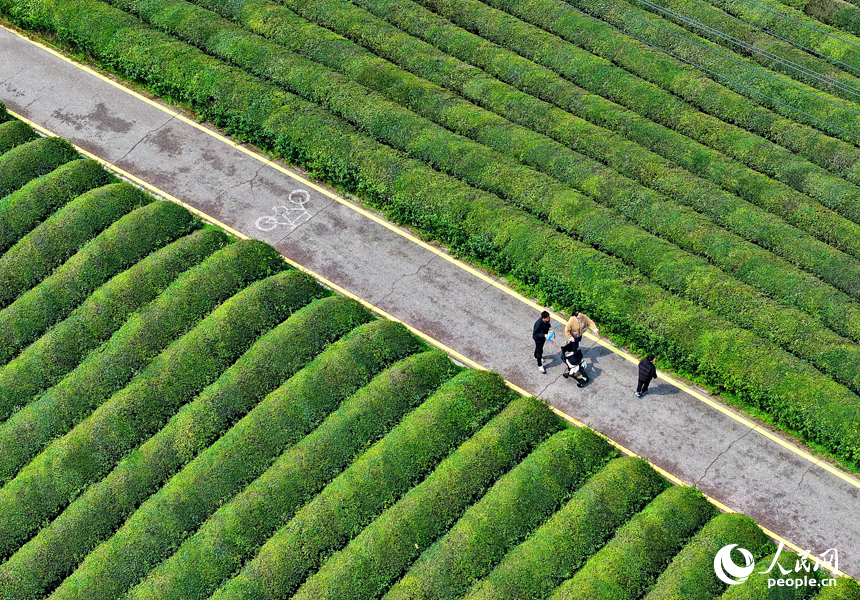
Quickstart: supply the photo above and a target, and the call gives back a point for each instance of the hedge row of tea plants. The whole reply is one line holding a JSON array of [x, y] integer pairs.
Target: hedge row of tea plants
[[14, 133], [282, 419], [540, 194], [793, 163], [390, 468], [539, 114], [845, 589], [53, 242], [475, 223], [22, 210], [130, 239], [233, 534], [92, 518], [639, 551], [55, 477], [141, 338], [690, 575], [807, 24], [830, 77], [32, 159], [60, 350], [797, 101], [518, 502], [560, 547]]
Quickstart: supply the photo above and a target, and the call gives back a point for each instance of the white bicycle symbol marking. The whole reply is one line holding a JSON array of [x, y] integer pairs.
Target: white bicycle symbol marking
[[287, 215]]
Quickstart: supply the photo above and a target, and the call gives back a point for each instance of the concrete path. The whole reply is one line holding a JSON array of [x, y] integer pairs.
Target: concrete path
[[679, 430]]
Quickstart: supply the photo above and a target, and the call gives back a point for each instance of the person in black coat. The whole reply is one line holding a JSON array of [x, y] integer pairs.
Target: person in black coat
[[540, 331], [647, 372]]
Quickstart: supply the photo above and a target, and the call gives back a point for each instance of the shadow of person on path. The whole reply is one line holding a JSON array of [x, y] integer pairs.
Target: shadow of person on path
[[658, 389], [552, 360], [591, 355]]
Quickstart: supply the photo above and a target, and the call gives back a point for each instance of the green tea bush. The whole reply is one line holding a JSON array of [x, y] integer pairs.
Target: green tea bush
[[557, 549], [690, 575], [130, 349], [41, 563], [25, 208], [848, 19], [794, 164], [640, 550], [60, 350], [845, 589], [231, 536], [810, 67], [88, 452], [535, 106], [14, 133], [120, 246], [380, 476], [62, 235], [31, 160], [518, 502], [795, 100], [807, 24], [654, 212], [243, 453], [468, 220]]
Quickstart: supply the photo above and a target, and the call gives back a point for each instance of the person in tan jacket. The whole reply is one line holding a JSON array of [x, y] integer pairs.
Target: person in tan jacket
[[576, 326]]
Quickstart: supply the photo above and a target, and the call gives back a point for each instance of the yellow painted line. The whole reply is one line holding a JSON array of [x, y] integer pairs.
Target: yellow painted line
[[268, 162], [458, 356], [677, 481], [430, 340], [352, 206]]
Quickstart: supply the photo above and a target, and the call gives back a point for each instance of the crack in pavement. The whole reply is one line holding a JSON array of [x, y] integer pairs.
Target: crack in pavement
[[13, 76], [477, 293], [800, 483], [546, 387], [249, 182], [141, 140], [32, 102], [705, 474], [401, 278]]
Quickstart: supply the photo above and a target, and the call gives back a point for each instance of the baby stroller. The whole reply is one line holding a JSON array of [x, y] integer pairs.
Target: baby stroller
[[572, 357]]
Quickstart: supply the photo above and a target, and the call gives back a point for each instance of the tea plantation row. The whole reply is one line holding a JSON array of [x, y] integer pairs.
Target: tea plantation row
[[186, 417], [664, 277]]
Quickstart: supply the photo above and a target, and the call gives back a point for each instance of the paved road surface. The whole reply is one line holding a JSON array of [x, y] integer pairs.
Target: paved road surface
[[723, 456]]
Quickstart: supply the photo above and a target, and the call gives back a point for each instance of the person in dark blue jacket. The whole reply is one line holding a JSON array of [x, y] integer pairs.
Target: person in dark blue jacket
[[647, 372], [540, 332]]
